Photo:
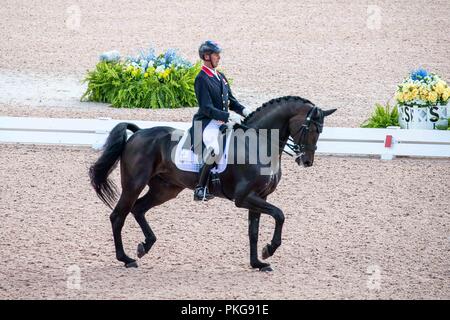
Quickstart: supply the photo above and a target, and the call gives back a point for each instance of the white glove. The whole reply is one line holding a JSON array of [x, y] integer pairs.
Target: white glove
[[246, 112], [235, 118], [229, 125]]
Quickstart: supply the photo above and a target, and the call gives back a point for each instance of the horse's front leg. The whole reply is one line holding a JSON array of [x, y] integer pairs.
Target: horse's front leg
[[255, 203], [253, 231]]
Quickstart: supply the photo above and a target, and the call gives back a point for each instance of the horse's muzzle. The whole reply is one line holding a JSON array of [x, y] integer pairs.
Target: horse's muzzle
[[307, 164], [301, 161]]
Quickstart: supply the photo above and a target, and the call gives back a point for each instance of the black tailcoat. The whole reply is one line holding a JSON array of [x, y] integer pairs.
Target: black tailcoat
[[214, 98]]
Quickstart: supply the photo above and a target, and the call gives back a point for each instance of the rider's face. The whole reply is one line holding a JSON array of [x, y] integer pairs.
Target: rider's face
[[215, 58]]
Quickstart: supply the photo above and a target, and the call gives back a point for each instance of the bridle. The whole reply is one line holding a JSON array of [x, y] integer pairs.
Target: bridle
[[301, 147]]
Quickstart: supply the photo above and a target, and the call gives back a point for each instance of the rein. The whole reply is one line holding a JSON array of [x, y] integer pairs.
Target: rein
[[300, 148]]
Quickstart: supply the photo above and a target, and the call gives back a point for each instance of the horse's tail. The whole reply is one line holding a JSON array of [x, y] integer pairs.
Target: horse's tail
[[105, 188]]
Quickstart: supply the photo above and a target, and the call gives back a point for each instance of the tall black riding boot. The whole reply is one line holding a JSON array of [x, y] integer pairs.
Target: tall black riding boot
[[201, 190]]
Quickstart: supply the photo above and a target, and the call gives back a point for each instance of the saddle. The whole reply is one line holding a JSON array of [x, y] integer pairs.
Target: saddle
[[187, 160]]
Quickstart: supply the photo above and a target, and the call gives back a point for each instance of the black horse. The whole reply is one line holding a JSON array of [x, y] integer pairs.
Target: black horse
[[146, 160]]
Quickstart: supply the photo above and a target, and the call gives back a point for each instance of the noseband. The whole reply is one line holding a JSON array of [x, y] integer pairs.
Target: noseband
[[301, 147]]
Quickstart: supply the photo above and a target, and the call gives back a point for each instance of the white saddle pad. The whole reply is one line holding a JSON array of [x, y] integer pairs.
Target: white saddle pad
[[186, 160]]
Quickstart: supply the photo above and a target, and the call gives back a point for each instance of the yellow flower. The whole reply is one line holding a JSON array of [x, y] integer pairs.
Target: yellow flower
[[406, 87], [165, 74], [440, 87], [414, 93], [136, 72], [399, 97], [446, 94], [423, 92], [146, 75], [432, 97]]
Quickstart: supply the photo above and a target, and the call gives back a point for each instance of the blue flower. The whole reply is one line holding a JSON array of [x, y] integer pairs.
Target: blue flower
[[179, 62], [419, 74], [148, 54], [143, 63], [169, 56], [147, 58], [160, 61], [143, 55], [132, 59], [110, 56]]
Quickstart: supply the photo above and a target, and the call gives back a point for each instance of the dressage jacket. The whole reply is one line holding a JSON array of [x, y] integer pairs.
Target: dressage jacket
[[214, 98]]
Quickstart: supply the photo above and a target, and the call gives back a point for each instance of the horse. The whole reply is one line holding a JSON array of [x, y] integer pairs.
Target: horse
[[145, 160]]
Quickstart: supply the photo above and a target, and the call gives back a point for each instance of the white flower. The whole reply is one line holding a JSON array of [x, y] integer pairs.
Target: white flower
[[160, 69]]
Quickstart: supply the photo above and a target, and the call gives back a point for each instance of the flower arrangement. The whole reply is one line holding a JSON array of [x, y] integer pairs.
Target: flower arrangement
[[422, 89], [144, 81]]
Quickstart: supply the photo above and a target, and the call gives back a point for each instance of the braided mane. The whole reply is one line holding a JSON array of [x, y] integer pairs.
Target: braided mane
[[265, 106]]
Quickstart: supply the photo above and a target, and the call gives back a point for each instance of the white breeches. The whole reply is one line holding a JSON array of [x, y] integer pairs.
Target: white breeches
[[211, 135]]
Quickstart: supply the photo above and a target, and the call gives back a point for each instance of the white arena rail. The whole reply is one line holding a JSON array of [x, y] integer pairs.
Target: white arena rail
[[386, 143]]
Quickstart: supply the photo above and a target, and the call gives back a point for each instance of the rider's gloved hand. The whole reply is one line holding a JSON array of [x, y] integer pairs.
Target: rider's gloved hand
[[234, 118], [246, 112]]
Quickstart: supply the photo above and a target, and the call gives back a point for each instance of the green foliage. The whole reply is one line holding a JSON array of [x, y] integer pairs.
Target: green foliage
[[382, 117], [439, 127], [126, 86]]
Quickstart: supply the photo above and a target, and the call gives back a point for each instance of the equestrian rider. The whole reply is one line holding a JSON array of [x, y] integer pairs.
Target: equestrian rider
[[214, 99]]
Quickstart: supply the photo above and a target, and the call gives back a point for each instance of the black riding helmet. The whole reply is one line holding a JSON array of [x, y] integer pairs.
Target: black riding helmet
[[208, 47]]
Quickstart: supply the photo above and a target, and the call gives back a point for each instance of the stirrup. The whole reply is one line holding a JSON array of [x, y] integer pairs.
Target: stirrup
[[205, 196]]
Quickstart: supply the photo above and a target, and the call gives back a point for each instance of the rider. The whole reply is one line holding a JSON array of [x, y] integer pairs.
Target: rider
[[214, 99]]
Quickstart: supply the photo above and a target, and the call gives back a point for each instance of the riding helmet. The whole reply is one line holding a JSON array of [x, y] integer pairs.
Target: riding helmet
[[208, 47]]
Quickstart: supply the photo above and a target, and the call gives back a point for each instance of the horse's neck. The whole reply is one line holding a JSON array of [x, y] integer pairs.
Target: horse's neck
[[277, 118], [273, 117]]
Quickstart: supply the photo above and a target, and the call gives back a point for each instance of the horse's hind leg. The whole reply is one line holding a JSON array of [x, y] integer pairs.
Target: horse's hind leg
[[159, 192], [117, 217], [141, 206]]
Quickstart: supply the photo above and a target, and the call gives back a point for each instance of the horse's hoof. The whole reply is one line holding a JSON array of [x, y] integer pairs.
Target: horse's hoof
[[259, 265], [266, 269], [132, 264], [265, 252], [140, 250]]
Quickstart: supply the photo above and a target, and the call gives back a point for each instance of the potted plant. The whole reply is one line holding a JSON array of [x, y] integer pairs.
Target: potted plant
[[382, 117], [422, 100], [145, 81]]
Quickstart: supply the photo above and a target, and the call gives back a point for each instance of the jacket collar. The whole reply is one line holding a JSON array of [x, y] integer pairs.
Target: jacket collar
[[207, 71]]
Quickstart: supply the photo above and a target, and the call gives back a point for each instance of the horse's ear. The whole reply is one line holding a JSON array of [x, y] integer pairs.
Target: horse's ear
[[328, 112]]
